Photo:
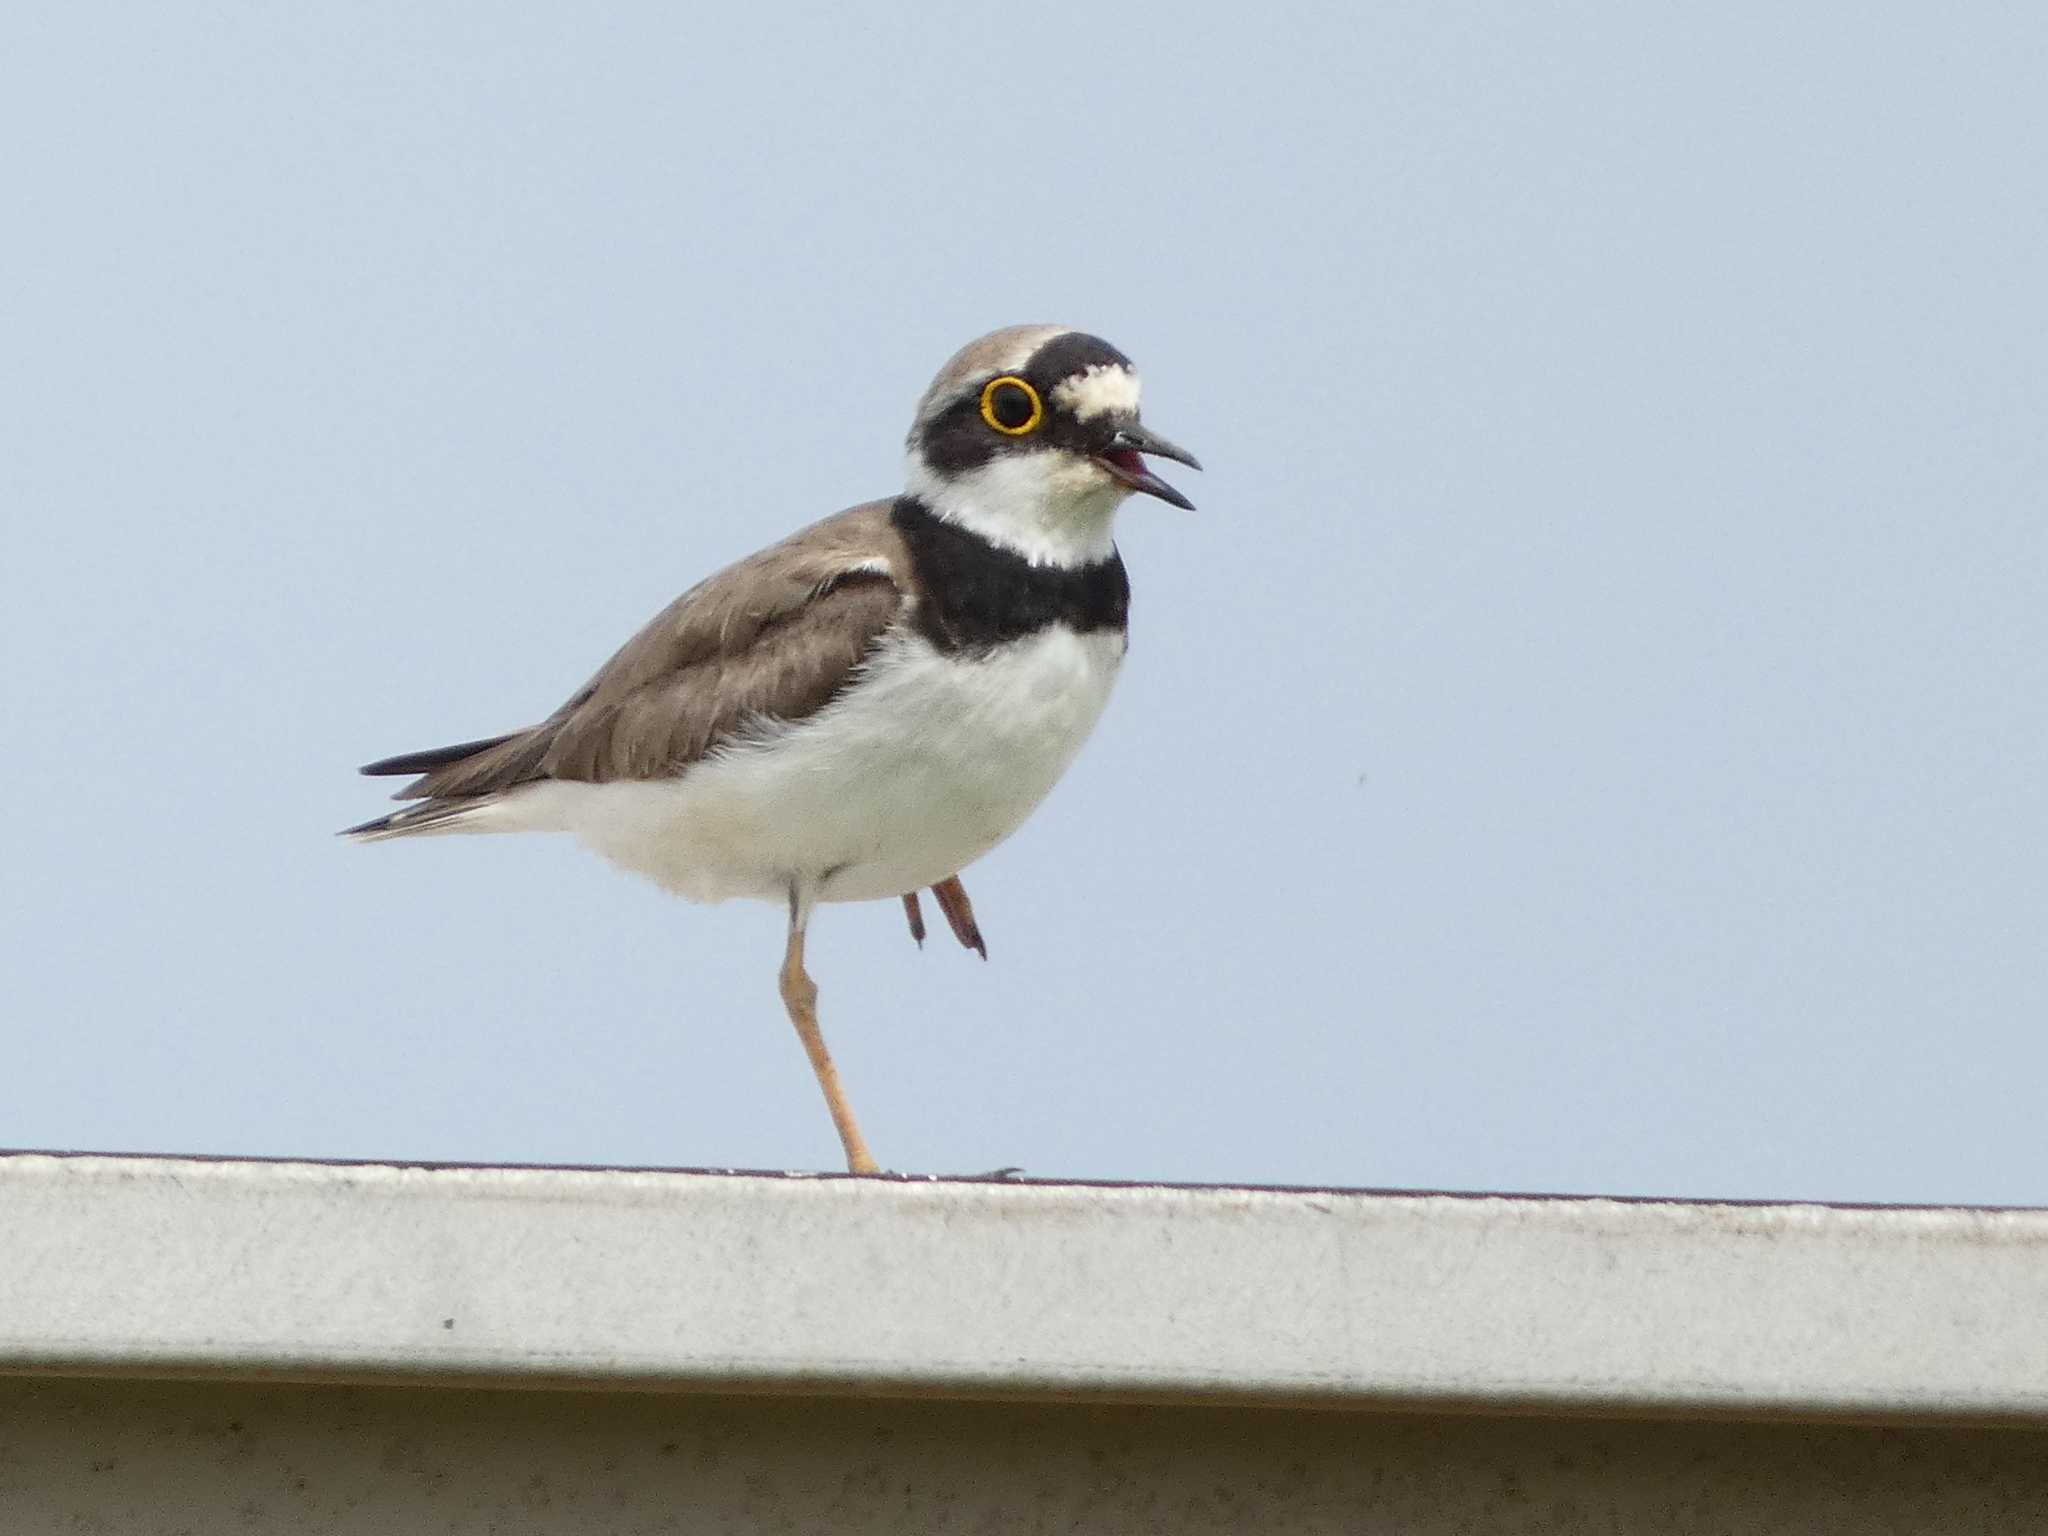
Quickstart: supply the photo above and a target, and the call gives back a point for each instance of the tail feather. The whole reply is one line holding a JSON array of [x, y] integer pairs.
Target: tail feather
[[424, 819], [455, 786], [470, 770]]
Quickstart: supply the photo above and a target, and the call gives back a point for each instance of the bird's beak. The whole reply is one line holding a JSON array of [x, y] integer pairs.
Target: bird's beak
[[1121, 458]]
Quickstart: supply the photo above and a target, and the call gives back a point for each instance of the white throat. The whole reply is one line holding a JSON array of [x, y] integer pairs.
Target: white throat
[[1052, 508]]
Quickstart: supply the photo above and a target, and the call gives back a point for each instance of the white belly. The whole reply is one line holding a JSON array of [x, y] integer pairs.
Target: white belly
[[918, 770]]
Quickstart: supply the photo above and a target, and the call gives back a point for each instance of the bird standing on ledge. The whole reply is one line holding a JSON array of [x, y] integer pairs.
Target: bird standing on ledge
[[868, 707]]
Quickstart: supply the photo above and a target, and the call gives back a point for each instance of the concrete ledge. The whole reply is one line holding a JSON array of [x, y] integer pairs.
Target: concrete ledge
[[252, 1271]]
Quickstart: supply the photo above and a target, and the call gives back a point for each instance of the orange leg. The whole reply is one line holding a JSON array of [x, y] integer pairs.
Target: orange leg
[[800, 997]]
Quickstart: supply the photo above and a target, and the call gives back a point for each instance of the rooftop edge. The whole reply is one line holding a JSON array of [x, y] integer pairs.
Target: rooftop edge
[[681, 1281]]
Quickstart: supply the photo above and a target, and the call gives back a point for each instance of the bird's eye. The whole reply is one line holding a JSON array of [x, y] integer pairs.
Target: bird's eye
[[1011, 406]]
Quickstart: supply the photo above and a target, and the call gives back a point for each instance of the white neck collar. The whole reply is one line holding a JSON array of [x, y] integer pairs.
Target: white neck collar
[[1048, 508]]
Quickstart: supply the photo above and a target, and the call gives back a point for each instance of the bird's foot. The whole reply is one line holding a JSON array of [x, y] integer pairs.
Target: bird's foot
[[951, 896], [959, 912]]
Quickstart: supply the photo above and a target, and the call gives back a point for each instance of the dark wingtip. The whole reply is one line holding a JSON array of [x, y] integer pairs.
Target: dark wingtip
[[410, 763], [385, 766]]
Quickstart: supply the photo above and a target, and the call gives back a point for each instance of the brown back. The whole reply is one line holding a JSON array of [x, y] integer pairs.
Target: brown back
[[770, 639]]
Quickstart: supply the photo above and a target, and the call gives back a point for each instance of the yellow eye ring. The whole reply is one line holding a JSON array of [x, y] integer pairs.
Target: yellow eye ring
[[998, 391]]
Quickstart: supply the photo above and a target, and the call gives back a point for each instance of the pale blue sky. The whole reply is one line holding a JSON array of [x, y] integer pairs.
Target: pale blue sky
[[1593, 735]]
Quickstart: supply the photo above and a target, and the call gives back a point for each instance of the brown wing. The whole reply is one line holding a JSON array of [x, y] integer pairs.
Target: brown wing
[[771, 638]]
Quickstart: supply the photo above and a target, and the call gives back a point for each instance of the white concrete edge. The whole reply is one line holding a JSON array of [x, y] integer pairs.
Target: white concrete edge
[[706, 1282]]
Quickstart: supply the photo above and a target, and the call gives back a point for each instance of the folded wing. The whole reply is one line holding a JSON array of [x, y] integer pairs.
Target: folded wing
[[768, 641]]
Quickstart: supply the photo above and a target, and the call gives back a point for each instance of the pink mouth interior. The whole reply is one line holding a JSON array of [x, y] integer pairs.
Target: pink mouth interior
[[1129, 460]]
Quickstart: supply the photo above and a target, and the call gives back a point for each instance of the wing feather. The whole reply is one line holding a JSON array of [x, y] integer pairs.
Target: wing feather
[[771, 639]]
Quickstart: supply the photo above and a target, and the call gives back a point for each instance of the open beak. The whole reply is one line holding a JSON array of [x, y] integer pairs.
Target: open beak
[[1122, 459]]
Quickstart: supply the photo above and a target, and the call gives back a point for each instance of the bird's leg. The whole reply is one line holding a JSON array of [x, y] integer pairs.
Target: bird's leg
[[800, 997], [951, 896], [915, 913]]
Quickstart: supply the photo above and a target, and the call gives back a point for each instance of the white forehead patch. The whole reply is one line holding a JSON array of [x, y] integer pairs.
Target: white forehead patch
[[1103, 389]]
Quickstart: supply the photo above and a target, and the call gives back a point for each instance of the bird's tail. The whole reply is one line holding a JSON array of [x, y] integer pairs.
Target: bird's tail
[[426, 819], [455, 789]]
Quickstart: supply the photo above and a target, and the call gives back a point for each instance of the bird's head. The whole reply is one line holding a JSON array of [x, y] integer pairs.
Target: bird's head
[[1030, 437]]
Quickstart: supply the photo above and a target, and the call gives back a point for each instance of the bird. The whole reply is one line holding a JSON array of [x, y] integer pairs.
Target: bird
[[864, 709]]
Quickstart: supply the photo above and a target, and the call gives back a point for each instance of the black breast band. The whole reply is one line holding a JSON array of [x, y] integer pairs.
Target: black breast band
[[974, 594]]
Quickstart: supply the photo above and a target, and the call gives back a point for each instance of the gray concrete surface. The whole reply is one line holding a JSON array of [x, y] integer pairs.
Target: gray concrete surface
[[706, 1282], [192, 1347]]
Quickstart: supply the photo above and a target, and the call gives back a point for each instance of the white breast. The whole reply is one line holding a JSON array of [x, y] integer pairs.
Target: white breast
[[918, 769]]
